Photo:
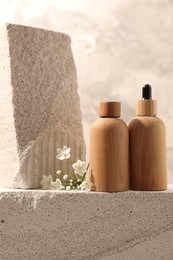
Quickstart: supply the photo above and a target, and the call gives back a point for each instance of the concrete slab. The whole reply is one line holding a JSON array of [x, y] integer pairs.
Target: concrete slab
[[38, 225]]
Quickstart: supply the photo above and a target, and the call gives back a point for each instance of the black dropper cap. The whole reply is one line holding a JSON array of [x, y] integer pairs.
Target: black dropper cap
[[147, 92]]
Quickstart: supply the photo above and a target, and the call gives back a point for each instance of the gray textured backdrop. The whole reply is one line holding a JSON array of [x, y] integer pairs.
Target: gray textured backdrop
[[118, 47]]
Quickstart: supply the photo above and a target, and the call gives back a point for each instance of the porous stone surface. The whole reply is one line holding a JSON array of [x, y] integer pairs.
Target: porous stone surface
[[41, 225], [39, 105]]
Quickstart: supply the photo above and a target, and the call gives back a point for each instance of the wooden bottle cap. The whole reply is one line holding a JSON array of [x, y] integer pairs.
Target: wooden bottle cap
[[146, 107], [110, 109]]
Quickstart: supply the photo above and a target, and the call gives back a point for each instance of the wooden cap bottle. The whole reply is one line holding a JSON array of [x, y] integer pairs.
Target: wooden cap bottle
[[147, 145], [109, 150], [110, 109]]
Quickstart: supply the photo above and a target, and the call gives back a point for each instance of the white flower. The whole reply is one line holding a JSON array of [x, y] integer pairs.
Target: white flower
[[86, 185], [62, 187], [80, 167], [63, 153], [68, 188], [65, 177], [46, 182], [56, 185], [58, 172]]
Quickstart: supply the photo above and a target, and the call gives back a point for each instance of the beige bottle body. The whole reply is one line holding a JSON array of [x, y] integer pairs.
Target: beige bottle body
[[147, 153], [109, 155]]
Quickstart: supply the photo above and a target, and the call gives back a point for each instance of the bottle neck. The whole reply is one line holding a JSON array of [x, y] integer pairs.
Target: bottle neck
[[147, 115], [109, 117], [146, 107]]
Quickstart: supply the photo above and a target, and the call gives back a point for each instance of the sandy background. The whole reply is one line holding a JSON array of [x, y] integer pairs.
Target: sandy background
[[118, 46]]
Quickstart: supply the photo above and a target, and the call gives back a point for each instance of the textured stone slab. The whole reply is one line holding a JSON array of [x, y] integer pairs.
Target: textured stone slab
[[39, 104], [62, 225]]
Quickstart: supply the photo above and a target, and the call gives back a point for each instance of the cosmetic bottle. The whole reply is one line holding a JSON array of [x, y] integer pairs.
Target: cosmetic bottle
[[109, 150], [147, 146]]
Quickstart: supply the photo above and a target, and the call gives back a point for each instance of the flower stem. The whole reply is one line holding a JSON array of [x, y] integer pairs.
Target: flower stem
[[87, 167], [83, 176], [71, 175], [85, 172], [71, 162]]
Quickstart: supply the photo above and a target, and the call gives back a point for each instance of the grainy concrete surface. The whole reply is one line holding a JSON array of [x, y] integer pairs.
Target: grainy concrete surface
[[59, 225], [39, 105]]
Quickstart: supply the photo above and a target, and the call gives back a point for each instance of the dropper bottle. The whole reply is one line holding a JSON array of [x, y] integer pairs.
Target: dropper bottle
[[147, 146]]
